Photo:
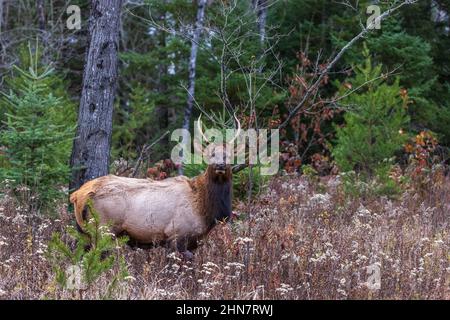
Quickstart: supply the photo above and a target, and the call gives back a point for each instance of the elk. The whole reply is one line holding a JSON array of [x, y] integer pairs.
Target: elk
[[176, 211]]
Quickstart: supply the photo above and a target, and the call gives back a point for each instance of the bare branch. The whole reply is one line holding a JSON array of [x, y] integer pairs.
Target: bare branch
[[312, 89], [338, 56], [144, 153]]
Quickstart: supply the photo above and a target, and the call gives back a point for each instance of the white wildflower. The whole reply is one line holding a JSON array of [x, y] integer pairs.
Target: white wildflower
[[284, 289], [18, 219], [173, 256], [342, 292], [320, 200], [242, 240], [363, 211]]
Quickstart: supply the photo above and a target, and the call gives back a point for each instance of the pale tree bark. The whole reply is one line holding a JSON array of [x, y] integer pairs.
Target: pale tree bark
[[260, 7], [438, 12], [162, 109], [41, 14], [40, 10], [3, 18], [201, 5], [91, 147], [1, 15]]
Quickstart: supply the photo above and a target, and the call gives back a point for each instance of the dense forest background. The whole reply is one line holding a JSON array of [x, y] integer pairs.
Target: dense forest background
[[364, 136], [279, 47]]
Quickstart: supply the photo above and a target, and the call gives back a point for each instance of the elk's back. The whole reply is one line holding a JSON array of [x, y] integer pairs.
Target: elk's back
[[147, 210]]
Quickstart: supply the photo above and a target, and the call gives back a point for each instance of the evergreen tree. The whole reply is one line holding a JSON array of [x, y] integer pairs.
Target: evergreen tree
[[77, 269], [374, 121], [36, 147], [154, 63], [412, 58], [134, 125]]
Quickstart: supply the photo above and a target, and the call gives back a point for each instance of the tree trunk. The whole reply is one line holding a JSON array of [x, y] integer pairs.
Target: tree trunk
[[162, 110], [192, 66], [2, 53], [1, 15], [260, 7], [438, 12], [41, 14], [91, 147], [40, 10]]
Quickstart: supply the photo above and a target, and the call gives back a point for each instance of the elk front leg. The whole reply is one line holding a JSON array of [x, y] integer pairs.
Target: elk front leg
[[185, 245]]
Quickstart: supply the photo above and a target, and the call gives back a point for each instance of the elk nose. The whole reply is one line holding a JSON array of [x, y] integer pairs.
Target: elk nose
[[220, 167]]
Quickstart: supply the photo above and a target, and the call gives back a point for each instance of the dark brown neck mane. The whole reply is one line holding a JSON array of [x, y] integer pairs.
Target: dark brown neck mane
[[214, 194]]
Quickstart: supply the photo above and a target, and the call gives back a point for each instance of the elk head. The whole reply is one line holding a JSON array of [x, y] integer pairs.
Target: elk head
[[218, 175], [219, 156]]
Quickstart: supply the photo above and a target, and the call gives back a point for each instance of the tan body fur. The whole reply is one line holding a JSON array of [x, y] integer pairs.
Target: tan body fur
[[148, 211], [158, 212]]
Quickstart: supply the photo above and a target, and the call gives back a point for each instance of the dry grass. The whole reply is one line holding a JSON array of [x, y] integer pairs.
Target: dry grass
[[297, 243]]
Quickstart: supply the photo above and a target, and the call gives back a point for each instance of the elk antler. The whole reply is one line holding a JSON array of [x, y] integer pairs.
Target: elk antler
[[238, 130], [199, 126]]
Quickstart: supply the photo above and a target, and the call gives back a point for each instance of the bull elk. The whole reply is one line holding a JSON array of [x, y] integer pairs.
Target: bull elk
[[177, 211]]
